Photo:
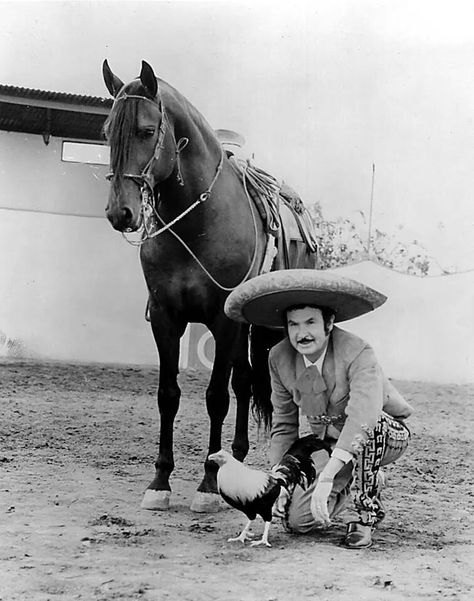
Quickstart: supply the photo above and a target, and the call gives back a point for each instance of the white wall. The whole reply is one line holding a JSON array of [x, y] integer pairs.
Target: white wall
[[71, 288], [33, 176], [425, 330]]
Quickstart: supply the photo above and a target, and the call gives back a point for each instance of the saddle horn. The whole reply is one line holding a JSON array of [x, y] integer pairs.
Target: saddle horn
[[148, 79], [113, 83]]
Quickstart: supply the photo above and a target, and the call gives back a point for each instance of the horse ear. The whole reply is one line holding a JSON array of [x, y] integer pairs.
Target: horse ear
[[113, 83], [148, 79]]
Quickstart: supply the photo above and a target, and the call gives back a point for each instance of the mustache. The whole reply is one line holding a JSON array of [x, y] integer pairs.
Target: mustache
[[305, 339]]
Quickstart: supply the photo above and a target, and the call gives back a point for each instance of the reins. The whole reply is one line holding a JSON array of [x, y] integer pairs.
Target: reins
[[209, 275], [148, 208], [166, 226]]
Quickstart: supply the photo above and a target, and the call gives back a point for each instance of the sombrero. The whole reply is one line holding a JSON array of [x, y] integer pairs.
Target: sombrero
[[262, 300]]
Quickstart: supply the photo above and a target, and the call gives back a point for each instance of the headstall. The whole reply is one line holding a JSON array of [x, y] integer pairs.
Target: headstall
[[146, 180]]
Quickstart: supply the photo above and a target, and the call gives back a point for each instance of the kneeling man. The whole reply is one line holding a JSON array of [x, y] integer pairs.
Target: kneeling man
[[332, 378]]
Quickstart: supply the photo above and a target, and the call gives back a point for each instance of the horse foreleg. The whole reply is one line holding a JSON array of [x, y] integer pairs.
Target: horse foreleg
[[158, 493], [225, 334]]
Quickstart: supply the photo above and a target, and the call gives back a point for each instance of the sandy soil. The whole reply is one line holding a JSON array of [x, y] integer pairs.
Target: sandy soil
[[78, 446]]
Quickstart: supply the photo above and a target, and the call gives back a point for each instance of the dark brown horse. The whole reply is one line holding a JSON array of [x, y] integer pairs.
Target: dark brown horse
[[199, 237]]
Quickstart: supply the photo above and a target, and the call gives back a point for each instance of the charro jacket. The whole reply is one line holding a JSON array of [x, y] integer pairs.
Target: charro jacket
[[342, 404]]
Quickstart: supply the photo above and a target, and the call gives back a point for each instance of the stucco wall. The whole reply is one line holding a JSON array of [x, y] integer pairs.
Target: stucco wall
[[425, 329], [33, 176], [70, 287]]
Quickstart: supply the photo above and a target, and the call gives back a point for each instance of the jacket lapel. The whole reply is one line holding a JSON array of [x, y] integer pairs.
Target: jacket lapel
[[329, 368], [299, 364]]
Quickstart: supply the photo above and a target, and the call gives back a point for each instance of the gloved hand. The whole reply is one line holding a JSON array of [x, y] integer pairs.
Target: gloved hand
[[319, 501], [278, 510]]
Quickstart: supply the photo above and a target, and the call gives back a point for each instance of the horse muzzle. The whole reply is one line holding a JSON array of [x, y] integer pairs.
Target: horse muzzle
[[123, 219]]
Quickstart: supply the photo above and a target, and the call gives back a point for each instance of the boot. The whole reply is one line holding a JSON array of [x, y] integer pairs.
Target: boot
[[358, 536]]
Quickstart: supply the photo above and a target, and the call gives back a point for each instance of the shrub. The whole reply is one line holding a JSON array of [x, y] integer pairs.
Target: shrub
[[343, 241]]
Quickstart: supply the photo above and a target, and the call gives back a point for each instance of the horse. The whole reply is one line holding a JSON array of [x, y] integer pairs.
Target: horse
[[173, 185]]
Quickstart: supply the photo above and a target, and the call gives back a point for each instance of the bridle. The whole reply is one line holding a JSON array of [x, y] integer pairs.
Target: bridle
[[146, 180]]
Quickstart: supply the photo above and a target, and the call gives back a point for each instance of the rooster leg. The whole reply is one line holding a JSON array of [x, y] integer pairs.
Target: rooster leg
[[244, 535], [264, 539]]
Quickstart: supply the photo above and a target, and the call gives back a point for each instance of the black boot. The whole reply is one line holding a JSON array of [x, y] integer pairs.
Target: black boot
[[380, 515], [358, 536]]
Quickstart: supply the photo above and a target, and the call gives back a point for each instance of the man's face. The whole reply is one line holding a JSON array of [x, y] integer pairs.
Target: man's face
[[306, 331]]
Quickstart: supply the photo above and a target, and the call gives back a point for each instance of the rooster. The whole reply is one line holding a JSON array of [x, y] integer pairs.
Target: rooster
[[254, 492]]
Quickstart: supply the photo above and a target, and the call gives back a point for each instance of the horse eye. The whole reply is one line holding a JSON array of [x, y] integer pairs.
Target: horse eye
[[146, 133]]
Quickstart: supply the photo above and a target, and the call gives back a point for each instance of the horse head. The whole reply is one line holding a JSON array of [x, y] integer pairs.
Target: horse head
[[143, 148]]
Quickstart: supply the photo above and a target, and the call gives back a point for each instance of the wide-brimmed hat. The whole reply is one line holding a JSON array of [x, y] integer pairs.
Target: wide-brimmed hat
[[263, 299]]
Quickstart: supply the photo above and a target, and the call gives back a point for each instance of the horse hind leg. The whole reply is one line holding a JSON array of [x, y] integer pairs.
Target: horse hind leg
[[242, 387], [261, 342]]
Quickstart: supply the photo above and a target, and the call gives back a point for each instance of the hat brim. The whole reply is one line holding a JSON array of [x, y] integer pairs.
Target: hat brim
[[264, 299]]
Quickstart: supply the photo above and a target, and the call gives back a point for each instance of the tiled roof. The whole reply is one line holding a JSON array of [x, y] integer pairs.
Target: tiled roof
[[60, 114], [34, 94]]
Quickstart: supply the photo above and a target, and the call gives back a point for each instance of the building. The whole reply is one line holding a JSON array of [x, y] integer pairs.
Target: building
[[71, 288]]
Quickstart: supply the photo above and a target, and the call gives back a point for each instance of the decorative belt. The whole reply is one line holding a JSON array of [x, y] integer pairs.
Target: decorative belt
[[327, 420]]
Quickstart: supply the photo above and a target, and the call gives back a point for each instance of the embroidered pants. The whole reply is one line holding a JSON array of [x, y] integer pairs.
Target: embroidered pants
[[358, 480]]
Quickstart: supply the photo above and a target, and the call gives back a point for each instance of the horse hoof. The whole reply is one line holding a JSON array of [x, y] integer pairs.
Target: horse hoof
[[156, 500], [206, 502]]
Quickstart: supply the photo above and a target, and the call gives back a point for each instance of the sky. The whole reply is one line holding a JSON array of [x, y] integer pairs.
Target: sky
[[320, 89]]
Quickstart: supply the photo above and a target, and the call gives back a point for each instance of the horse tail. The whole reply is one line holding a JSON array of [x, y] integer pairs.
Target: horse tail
[[261, 341]]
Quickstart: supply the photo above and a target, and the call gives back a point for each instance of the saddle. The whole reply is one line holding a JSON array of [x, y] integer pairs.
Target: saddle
[[283, 214]]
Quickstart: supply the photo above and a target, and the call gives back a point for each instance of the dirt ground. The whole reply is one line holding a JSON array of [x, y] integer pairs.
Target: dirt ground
[[78, 446]]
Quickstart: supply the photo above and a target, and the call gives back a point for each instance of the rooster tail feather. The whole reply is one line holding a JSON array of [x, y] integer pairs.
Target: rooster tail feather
[[296, 466], [307, 473], [305, 446]]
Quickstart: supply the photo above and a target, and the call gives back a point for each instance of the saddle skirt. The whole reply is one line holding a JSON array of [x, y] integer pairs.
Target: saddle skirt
[[282, 212]]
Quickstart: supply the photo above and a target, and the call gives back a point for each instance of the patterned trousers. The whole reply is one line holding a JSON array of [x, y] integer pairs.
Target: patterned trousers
[[358, 481]]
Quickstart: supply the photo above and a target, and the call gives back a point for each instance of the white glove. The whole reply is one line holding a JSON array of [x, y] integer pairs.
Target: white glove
[[319, 501], [280, 504]]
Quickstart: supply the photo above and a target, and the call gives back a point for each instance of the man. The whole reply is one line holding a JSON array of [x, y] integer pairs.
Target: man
[[332, 378]]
